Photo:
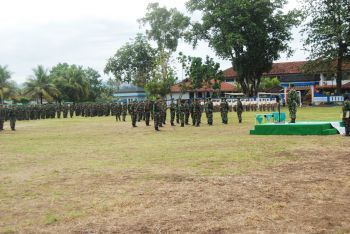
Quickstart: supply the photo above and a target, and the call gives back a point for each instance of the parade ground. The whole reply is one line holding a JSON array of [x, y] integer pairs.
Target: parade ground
[[96, 175]]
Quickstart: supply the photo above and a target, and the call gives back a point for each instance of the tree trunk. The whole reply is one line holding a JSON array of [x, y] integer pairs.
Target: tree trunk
[[340, 67], [41, 99]]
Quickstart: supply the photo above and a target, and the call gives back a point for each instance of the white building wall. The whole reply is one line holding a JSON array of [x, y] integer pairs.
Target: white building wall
[[176, 96], [333, 81]]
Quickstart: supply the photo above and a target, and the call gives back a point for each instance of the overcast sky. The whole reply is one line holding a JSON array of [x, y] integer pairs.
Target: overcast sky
[[82, 32]]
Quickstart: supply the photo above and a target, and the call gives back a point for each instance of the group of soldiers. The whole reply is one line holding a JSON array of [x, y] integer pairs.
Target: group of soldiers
[[180, 111], [51, 111]]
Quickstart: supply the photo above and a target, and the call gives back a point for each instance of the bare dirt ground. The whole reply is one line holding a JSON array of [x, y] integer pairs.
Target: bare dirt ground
[[308, 195]]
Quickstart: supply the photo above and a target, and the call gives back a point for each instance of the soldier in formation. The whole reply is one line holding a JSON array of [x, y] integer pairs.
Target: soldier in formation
[[172, 112], [292, 104], [224, 108], [157, 109], [209, 109], [239, 110]]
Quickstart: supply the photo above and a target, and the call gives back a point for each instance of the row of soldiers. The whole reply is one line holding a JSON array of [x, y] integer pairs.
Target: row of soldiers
[[181, 111], [144, 110]]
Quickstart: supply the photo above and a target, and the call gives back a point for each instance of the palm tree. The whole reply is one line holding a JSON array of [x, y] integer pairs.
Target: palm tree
[[39, 85], [7, 88], [73, 84]]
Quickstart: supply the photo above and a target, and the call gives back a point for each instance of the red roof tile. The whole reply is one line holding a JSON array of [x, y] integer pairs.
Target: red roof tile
[[277, 69], [282, 69]]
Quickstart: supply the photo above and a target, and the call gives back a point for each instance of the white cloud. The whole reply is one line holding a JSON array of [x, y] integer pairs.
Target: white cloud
[[83, 32]]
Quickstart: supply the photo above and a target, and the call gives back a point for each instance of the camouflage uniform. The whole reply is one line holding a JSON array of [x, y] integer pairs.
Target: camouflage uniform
[[178, 111], [292, 104], [182, 113], [187, 112], [147, 112], [209, 111], [196, 113], [140, 109], [239, 110], [224, 110], [133, 113], [157, 108], [12, 115], [346, 116], [172, 112], [3, 114], [124, 111]]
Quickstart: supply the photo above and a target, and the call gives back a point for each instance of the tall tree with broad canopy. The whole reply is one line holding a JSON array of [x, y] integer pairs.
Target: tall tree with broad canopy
[[328, 35], [165, 27], [133, 63], [40, 86], [250, 33]]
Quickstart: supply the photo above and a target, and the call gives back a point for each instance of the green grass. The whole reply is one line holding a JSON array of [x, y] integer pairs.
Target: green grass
[[54, 171]]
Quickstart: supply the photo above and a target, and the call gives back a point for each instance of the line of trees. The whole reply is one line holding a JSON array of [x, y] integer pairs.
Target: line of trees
[[250, 34], [62, 83]]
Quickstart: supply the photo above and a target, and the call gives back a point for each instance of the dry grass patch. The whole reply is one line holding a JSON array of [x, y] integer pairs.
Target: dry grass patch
[[95, 175]]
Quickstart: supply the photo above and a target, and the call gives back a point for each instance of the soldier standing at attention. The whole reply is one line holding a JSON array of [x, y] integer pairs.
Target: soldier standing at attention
[[65, 111], [71, 110], [12, 117], [58, 110], [133, 113], [2, 117], [172, 112], [147, 111], [140, 109], [157, 108], [178, 111], [187, 112], [346, 115], [239, 110], [224, 110], [124, 111], [292, 103], [182, 113], [210, 110], [196, 112], [164, 110], [191, 111]]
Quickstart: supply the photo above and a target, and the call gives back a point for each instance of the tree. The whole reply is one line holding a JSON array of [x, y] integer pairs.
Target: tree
[[133, 63], [205, 74], [40, 86], [328, 34], [95, 82], [7, 87], [251, 34], [166, 28], [269, 82], [71, 81]]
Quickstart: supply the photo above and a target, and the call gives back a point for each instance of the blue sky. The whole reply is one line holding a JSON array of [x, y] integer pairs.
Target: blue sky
[[83, 32]]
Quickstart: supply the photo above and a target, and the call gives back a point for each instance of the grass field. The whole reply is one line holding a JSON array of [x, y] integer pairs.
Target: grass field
[[93, 175]]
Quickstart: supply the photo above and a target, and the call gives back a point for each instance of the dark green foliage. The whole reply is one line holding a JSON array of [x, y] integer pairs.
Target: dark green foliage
[[39, 86], [133, 63], [251, 34], [328, 35], [7, 87]]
